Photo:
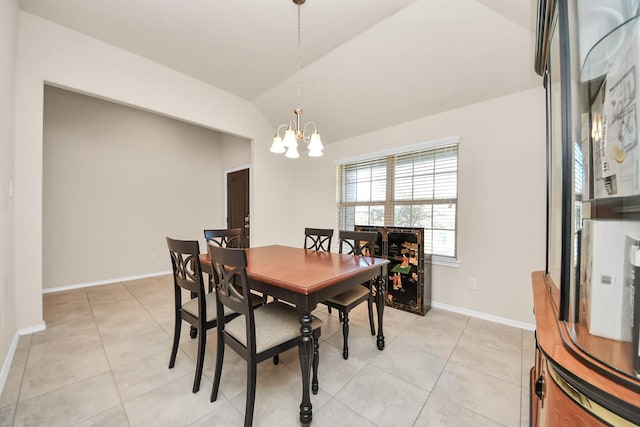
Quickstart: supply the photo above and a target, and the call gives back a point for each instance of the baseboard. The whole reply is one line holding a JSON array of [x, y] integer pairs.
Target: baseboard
[[103, 282], [4, 373], [483, 316], [33, 329]]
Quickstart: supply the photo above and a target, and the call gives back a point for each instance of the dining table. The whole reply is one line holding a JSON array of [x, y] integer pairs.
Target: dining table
[[304, 278]]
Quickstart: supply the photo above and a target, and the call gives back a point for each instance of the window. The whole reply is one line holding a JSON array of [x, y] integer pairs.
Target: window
[[409, 189]]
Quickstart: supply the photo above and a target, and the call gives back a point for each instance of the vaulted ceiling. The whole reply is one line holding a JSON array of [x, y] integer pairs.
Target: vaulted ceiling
[[367, 64]]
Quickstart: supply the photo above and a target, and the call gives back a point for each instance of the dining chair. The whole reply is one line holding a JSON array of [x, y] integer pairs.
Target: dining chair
[[354, 243], [225, 238], [200, 310], [260, 332], [318, 239]]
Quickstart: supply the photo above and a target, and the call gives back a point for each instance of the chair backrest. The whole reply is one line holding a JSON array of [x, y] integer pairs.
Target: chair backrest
[[318, 239], [358, 242], [232, 287], [187, 271], [226, 237]]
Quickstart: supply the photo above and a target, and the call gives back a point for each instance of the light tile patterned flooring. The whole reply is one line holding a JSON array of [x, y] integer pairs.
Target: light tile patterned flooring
[[103, 362]]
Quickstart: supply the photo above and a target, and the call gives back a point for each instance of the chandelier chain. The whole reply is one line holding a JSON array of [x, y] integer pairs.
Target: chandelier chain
[[299, 62], [287, 135]]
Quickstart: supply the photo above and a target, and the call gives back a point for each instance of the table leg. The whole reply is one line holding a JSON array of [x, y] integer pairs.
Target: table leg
[[316, 361], [380, 303], [306, 355]]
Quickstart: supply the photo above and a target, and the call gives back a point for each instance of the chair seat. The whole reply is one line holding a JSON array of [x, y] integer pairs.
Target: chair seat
[[191, 307], [275, 323], [352, 295]]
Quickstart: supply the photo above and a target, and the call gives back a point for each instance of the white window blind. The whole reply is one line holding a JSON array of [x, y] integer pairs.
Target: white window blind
[[414, 189]]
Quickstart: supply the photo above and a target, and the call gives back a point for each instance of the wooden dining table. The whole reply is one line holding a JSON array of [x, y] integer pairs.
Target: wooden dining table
[[305, 278]]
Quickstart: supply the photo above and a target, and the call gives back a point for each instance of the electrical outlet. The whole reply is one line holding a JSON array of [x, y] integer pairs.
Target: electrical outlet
[[473, 283]]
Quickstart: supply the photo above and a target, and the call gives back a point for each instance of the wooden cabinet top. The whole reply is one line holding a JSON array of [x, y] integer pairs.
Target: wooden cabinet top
[[614, 391]]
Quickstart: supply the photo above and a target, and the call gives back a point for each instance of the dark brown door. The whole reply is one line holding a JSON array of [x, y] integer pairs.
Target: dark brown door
[[238, 201]]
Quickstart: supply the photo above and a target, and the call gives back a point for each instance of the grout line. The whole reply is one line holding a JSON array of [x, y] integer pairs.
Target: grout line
[[115, 384], [24, 370], [445, 367], [65, 385], [435, 384], [521, 368]]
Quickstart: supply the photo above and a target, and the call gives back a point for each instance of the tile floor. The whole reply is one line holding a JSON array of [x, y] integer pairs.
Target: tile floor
[[103, 362]]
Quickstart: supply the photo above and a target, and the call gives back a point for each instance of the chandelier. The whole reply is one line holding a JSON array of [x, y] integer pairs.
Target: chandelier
[[287, 142]]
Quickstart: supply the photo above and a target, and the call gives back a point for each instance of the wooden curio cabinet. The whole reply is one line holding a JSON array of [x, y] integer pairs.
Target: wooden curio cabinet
[[587, 299]]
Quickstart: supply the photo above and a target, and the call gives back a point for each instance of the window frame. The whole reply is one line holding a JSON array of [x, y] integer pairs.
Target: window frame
[[389, 203]]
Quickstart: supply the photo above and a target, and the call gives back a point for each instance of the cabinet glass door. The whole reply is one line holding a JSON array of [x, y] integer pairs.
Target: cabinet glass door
[[593, 256]]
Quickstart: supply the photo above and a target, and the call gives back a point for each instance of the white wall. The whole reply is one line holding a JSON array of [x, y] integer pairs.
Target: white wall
[[235, 152], [501, 167], [8, 34], [51, 53], [117, 180], [501, 210]]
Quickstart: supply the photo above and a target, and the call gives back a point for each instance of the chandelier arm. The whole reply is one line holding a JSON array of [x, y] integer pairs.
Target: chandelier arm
[[308, 129], [310, 124], [283, 126]]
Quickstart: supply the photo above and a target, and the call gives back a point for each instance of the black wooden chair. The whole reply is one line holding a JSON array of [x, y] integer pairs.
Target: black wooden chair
[[259, 333], [356, 243], [200, 311], [225, 238], [318, 239]]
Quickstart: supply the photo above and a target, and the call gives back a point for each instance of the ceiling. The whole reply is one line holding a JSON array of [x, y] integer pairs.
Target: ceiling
[[367, 64]]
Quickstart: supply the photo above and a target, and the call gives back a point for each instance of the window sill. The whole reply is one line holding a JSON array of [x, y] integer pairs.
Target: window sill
[[445, 261]]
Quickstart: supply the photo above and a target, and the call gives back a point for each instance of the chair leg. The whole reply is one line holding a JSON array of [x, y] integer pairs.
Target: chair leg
[[316, 361], [370, 308], [202, 341], [276, 359], [193, 332], [345, 335], [176, 340], [251, 393], [329, 309], [218, 373]]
